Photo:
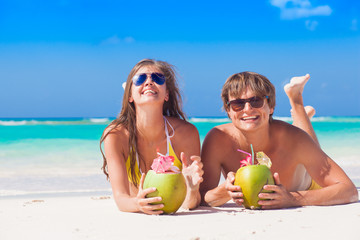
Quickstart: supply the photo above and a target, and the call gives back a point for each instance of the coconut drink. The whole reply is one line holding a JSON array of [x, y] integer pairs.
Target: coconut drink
[[169, 183], [252, 178]]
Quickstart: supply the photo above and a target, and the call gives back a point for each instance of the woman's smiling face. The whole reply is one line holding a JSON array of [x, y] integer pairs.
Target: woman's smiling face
[[149, 91]]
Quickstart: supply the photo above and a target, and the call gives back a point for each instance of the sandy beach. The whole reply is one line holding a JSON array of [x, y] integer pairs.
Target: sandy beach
[[52, 187], [96, 217]]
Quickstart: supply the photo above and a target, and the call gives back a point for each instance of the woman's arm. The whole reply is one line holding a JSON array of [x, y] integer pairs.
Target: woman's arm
[[114, 146], [188, 143], [192, 166]]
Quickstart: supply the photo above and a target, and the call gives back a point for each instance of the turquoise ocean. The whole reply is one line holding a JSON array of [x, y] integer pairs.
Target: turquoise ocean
[[61, 157]]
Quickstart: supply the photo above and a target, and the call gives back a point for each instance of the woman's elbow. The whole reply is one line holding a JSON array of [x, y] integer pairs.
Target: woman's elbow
[[354, 196]]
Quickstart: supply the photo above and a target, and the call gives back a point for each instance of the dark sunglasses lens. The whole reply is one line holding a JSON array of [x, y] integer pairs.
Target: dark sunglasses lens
[[237, 105], [139, 79], [257, 102], [158, 78]]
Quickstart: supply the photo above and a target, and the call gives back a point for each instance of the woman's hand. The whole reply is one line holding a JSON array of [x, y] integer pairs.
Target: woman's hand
[[233, 190], [279, 198], [193, 173], [144, 204]]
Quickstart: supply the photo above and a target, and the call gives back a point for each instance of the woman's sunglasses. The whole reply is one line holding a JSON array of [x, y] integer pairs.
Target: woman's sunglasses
[[239, 104], [158, 78]]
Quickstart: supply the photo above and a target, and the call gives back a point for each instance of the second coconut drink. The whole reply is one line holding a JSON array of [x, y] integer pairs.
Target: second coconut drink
[[252, 178]]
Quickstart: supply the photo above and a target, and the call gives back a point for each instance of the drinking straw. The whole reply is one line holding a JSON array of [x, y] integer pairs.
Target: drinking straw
[[252, 155], [244, 152]]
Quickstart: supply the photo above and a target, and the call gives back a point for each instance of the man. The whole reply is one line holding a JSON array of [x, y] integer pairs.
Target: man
[[297, 159]]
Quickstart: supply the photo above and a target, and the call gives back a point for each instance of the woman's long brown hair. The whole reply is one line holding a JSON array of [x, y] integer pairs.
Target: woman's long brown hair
[[127, 116]]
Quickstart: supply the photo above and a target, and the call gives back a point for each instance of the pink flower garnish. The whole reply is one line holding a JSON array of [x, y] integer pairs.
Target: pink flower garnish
[[163, 164], [247, 161]]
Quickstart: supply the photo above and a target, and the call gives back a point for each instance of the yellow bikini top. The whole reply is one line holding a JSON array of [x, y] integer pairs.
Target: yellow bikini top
[[170, 152]]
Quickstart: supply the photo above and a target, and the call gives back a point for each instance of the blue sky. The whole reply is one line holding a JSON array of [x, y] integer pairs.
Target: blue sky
[[69, 58]]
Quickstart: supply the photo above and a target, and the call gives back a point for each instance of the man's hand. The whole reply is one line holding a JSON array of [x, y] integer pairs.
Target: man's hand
[[233, 190], [279, 198]]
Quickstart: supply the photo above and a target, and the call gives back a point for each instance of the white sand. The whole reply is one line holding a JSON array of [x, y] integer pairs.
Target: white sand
[[98, 218]]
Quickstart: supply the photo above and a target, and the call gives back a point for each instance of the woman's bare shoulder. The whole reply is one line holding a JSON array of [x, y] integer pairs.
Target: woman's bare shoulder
[[182, 127], [116, 133]]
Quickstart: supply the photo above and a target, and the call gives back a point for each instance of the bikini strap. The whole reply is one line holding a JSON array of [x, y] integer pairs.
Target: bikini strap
[[137, 160], [138, 163], [168, 141], [166, 129]]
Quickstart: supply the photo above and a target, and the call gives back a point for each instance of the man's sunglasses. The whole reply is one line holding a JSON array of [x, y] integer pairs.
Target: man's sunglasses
[[239, 104], [139, 79]]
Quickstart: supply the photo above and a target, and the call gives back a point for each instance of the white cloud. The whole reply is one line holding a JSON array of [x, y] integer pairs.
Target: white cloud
[[311, 25], [129, 39], [294, 9], [111, 40], [283, 3], [354, 25], [114, 40]]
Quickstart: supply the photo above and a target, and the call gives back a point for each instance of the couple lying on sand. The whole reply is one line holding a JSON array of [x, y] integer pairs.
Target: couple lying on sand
[[152, 120]]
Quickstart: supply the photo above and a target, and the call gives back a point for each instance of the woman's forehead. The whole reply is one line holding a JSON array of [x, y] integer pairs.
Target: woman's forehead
[[148, 69]]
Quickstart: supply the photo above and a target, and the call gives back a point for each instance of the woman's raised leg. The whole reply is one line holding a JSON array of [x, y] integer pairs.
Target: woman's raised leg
[[301, 115]]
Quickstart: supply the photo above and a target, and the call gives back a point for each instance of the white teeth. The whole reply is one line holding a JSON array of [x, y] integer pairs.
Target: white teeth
[[247, 118], [149, 91]]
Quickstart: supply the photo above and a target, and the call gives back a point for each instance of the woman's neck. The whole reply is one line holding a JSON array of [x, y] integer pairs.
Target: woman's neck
[[150, 124]]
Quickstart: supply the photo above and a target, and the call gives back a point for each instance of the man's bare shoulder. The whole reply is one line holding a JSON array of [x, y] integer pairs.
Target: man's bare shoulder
[[226, 127], [290, 138], [282, 124], [285, 129], [220, 135]]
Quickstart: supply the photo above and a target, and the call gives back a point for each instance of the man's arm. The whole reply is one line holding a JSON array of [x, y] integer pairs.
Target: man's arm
[[212, 153], [337, 188]]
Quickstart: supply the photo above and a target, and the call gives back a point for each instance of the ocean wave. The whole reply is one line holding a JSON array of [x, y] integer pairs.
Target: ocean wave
[[105, 120], [336, 119], [198, 119], [99, 120], [285, 119], [13, 123], [29, 122], [325, 119], [54, 121]]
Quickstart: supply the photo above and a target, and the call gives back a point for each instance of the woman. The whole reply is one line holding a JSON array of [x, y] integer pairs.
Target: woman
[[151, 121]]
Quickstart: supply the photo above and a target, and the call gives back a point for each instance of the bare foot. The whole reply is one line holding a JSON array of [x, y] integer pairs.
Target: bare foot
[[296, 86], [310, 111]]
